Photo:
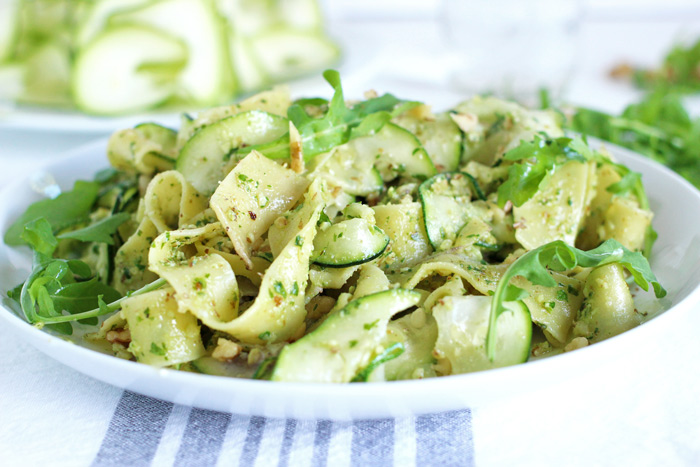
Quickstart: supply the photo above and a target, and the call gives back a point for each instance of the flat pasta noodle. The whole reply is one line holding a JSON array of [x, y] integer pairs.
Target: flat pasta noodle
[[251, 197], [558, 210], [255, 274], [279, 309], [160, 334], [204, 285], [131, 150], [171, 202], [131, 260]]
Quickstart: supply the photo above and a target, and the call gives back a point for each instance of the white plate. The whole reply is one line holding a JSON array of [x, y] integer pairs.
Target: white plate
[[675, 262], [36, 118]]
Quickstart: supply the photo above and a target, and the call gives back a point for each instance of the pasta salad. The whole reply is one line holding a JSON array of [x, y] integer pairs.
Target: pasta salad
[[329, 241]]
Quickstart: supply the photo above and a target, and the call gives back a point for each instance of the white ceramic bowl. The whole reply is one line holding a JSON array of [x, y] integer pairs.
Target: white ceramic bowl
[[675, 261]]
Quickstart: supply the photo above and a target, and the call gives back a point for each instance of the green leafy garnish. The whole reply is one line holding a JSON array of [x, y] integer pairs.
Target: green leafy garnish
[[558, 256], [658, 127], [535, 160], [389, 353], [58, 286], [680, 71], [101, 231], [67, 209], [339, 125]]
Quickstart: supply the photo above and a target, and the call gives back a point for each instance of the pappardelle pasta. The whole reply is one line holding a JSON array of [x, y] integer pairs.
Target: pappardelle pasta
[[325, 241]]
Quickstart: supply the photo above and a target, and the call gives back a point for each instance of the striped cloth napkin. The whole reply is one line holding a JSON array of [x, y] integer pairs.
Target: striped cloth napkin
[[144, 430]]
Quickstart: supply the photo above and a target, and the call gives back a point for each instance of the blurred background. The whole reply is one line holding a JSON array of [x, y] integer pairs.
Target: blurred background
[[58, 60]]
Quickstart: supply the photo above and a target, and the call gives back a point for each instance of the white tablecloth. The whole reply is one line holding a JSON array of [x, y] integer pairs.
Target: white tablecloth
[[643, 411]]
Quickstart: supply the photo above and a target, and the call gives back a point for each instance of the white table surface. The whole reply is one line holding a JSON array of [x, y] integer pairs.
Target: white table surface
[[643, 412]]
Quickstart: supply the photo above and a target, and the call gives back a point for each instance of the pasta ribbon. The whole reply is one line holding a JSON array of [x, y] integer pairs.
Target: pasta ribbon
[[171, 202], [132, 151], [255, 193], [160, 334], [557, 210], [131, 260], [204, 285], [279, 309]]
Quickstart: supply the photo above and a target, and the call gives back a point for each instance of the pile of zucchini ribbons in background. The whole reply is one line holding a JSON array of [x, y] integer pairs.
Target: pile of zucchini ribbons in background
[[326, 241], [111, 57]]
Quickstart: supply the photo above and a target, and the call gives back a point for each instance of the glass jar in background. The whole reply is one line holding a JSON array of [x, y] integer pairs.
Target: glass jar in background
[[512, 48]]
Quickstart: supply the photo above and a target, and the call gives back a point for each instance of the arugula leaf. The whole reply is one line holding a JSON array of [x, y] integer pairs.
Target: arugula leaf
[[679, 72], [339, 125], [79, 297], [106, 175], [55, 286], [102, 308], [538, 158], [658, 127], [39, 236], [629, 182], [101, 231], [558, 256], [389, 353], [65, 210]]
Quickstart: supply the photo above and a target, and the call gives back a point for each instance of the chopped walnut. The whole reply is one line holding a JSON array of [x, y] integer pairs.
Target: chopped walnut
[[255, 356], [622, 71], [508, 207], [120, 336], [226, 350], [466, 122]]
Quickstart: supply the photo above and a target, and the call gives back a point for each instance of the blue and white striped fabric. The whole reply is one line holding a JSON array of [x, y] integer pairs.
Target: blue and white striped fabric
[[146, 431]]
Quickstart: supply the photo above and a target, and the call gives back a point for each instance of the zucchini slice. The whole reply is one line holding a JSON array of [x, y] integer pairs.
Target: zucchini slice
[[46, 75], [126, 69], [205, 156], [301, 14], [345, 342], [8, 26], [344, 167], [246, 67], [441, 138], [205, 78], [348, 243], [287, 53], [446, 207], [395, 151], [404, 225], [462, 326], [212, 366], [98, 16]]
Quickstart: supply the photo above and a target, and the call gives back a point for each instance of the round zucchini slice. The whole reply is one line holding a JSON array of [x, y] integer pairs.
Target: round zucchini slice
[[347, 243], [205, 156]]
